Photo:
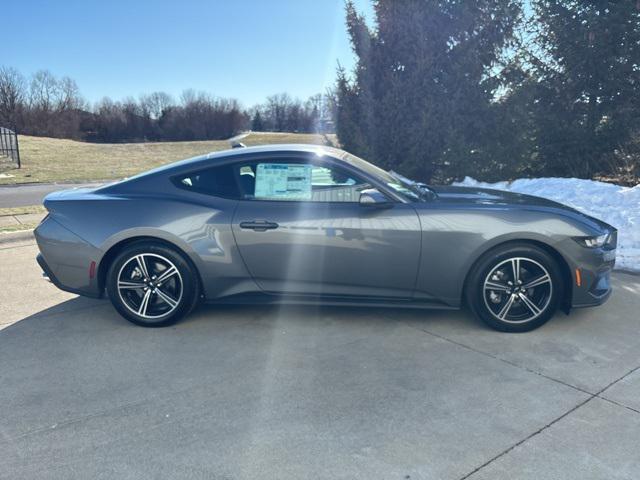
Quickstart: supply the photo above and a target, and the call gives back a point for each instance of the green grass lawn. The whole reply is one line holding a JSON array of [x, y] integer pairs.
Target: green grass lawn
[[21, 210], [56, 160], [23, 218]]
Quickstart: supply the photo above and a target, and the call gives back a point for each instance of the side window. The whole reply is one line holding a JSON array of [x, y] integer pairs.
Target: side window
[[217, 181], [299, 182]]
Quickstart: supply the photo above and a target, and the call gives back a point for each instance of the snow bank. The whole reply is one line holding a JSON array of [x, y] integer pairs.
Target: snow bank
[[618, 206]]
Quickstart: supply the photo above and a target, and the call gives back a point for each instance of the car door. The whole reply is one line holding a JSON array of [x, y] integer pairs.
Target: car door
[[301, 230]]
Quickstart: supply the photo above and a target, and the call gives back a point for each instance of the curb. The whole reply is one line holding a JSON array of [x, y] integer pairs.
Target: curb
[[13, 237]]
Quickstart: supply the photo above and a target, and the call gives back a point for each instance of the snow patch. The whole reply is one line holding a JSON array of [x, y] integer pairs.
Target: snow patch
[[616, 205]]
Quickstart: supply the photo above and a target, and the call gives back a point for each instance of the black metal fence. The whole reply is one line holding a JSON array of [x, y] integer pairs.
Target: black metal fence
[[9, 146]]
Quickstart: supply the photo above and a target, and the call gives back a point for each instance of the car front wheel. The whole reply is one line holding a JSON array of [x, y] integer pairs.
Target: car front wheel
[[515, 288], [152, 285]]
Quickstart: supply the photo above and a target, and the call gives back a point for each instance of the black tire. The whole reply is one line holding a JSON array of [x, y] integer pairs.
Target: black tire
[[526, 308], [166, 303]]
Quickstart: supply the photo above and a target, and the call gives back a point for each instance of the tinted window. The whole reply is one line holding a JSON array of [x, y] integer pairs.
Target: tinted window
[[218, 181]]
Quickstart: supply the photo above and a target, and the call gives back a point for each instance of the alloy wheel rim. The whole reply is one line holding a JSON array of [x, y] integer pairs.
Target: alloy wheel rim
[[150, 285], [517, 290]]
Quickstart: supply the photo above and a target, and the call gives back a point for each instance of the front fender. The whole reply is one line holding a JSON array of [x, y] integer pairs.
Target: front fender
[[453, 239]]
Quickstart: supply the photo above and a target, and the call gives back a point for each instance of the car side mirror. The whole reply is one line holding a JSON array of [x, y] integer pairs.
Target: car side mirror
[[371, 197]]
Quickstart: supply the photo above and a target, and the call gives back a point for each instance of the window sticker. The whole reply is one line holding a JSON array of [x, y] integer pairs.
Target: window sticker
[[283, 181]]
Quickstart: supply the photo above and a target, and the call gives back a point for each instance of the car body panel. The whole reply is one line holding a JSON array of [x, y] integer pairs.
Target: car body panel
[[452, 243], [68, 257], [417, 253], [331, 248], [468, 222], [201, 230], [494, 199]]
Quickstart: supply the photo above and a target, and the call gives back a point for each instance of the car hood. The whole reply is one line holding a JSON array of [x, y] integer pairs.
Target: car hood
[[479, 197]]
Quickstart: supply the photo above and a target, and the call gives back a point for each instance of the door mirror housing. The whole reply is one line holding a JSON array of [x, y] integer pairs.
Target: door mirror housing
[[371, 197]]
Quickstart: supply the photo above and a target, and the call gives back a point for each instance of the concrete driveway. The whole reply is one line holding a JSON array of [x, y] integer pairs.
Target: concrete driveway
[[295, 393]]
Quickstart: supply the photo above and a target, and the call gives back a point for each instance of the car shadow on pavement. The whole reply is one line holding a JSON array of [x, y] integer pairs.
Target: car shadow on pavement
[[60, 327], [279, 392], [90, 313]]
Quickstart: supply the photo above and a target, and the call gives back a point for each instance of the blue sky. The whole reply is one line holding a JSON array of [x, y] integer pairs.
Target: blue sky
[[245, 49]]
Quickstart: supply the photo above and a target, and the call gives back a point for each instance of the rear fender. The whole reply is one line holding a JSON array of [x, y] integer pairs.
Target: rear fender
[[113, 244]]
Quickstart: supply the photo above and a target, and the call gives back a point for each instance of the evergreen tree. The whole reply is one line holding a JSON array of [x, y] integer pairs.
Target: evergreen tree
[[257, 124], [420, 97], [588, 71]]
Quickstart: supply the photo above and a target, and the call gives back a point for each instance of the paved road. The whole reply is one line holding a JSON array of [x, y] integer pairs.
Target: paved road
[[23, 195], [291, 393]]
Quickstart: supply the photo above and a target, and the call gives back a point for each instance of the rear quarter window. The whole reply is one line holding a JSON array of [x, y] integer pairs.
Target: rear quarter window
[[216, 181]]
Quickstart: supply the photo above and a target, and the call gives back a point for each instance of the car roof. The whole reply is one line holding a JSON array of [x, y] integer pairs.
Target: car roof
[[319, 150], [188, 163], [273, 148], [277, 147]]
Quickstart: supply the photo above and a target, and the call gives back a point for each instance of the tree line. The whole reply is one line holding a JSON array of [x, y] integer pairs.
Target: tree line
[[45, 105], [281, 113], [496, 89]]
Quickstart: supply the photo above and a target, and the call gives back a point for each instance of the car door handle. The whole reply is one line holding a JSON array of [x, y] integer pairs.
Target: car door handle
[[259, 225]]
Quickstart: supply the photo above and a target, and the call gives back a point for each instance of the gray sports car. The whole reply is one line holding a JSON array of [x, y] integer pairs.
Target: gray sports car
[[308, 224]]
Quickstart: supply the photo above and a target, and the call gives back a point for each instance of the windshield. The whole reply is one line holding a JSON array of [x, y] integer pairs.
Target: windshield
[[410, 190]]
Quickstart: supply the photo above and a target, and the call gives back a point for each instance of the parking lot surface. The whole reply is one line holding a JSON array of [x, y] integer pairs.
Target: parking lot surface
[[292, 393]]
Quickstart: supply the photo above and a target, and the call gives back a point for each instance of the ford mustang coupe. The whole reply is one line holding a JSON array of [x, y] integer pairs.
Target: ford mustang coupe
[[309, 224]]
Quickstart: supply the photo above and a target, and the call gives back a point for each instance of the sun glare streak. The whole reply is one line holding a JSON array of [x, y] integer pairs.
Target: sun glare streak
[[280, 350]]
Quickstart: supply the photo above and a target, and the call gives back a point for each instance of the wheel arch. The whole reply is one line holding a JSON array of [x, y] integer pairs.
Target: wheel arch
[[567, 290], [116, 248]]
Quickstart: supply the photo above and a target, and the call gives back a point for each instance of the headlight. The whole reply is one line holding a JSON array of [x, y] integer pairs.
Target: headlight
[[593, 242]]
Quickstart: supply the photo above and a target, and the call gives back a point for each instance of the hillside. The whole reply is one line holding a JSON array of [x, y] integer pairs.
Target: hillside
[[58, 160]]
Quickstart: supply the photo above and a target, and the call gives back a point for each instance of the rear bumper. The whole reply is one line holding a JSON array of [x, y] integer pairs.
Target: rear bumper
[[66, 259], [51, 276]]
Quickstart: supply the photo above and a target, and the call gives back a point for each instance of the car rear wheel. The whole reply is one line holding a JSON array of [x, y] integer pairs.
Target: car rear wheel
[[152, 285], [515, 288]]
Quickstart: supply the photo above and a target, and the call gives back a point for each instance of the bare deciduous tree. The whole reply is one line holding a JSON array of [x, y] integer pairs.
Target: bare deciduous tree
[[156, 103], [69, 95], [44, 91], [12, 95]]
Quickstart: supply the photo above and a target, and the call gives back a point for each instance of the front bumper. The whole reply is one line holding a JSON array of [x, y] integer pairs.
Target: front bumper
[[601, 286], [591, 274], [595, 289]]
